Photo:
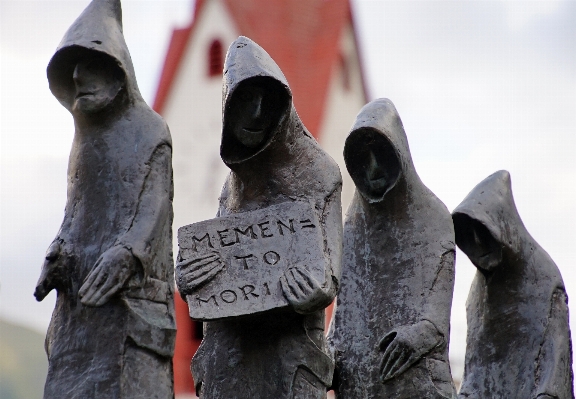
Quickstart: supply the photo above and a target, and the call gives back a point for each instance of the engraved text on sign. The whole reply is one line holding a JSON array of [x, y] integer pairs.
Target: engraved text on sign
[[255, 248]]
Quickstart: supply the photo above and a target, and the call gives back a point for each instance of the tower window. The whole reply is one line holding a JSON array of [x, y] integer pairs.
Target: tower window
[[215, 58]]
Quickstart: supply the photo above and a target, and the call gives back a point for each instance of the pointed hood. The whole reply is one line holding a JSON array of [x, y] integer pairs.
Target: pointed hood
[[245, 61], [288, 162], [119, 195], [112, 154], [273, 160], [378, 125], [518, 339], [98, 29], [491, 203], [398, 264], [388, 188]]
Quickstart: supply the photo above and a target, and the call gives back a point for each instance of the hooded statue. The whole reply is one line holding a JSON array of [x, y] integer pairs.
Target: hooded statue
[[279, 354], [518, 343], [112, 331], [391, 325]]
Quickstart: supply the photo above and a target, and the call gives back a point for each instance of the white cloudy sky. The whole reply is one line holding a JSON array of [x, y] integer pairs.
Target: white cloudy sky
[[480, 86]]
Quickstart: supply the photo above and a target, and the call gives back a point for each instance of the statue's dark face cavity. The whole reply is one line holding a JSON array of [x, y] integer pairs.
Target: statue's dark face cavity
[[372, 163], [477, 242], [377, 175], [97, 81], [253, 112]]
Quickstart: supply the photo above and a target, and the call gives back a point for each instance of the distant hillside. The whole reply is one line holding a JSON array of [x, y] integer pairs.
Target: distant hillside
[[23, 364]]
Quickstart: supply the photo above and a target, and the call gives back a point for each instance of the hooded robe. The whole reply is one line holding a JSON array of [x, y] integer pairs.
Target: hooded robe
[[398, 269], [119, 194], [276, 354], [518, 344]]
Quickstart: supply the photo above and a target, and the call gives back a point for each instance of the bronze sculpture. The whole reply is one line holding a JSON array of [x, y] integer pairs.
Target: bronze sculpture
[[390, 332], [518, 343], [279, 353], [112, 331]]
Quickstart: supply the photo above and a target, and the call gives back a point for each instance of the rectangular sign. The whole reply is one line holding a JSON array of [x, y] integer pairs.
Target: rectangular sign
[[256, 248]]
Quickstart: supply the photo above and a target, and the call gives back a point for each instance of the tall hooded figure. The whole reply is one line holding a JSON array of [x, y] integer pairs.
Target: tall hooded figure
[[518, 344], [281, 353], [112, 331], [391, 326]]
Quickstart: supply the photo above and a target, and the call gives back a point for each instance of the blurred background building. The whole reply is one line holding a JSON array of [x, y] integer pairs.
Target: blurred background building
[[480, 85], [320, 58]]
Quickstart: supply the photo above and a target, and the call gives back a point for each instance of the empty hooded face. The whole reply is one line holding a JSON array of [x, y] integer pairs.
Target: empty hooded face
[[477, 242], [372, 162], [254, 111], [97, 82]]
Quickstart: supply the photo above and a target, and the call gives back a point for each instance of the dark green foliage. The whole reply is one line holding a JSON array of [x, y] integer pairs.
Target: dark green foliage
[[23, 363]]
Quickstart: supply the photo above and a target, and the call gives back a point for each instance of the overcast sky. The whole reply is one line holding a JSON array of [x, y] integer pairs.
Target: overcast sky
[[480, 86]]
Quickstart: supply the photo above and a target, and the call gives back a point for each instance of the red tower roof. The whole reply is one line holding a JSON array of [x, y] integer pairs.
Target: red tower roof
[[301, 36]]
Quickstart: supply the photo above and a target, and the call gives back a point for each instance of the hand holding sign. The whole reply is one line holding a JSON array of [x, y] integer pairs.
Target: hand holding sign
[[250, 262], [303, 291], [192, 273]]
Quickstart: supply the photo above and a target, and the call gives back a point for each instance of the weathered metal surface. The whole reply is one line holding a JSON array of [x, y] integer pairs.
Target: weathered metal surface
[[518, 343], [112, 332], [392, 320], [252, 250], [280, 352]]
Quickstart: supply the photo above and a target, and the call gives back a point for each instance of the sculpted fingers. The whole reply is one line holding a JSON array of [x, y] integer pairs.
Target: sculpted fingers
[[91, 284], [319, 296], [292, 290], [299, 285], [397, 366], [387, 340], [302, 291], [209, 274], [195, 272], [106, 288], [202, 269], [89, 281], [305, 281], [191, 265], [400, 352], [112, 271], [101, 292], [288, 290], [402, 364], [390, 356]]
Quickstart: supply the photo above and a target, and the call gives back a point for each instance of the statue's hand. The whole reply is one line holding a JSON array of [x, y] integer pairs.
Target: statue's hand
[[304, 292], [53, 272], [110, 274], [405, 345], [192, 273]]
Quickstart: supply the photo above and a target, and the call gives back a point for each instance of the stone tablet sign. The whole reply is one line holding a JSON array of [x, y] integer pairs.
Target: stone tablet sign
[[255, 248]]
